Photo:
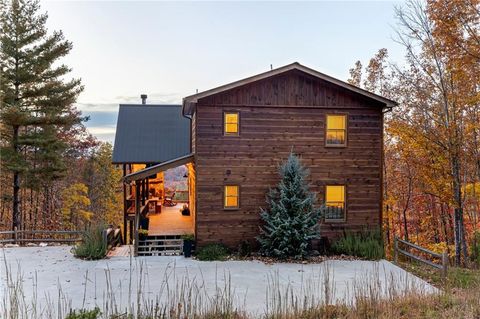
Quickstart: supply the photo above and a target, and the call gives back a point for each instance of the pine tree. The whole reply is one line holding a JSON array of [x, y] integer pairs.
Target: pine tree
[[36, 102], [291, 220]]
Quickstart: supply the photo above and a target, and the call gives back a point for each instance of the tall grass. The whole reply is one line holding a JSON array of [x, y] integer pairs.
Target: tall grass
[[187, 297], [367, 244], [93, 245]]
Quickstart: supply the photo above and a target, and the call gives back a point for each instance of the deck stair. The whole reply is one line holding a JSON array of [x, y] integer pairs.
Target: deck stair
[[161, 245]]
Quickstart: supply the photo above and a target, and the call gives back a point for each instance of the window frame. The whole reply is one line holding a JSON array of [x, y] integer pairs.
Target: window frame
[[224, 197], [345, 130], [344, 219], [225, 133]]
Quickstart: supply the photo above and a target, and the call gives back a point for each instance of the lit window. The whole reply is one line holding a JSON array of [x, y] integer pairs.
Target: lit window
[[231, 196], [336, 130], [231, 123], [335, 203]]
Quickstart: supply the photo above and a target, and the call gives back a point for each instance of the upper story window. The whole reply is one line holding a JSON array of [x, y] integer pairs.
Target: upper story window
[[336, 132], [231, 196], [335, 203], [231, 121]]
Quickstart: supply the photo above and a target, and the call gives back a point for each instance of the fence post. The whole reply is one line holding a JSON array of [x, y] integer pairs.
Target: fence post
[[395, 250], [444, 264], [15, 235]]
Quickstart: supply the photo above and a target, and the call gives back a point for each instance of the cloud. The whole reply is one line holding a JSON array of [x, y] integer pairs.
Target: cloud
[[101, 130], [111, 105], [153, 98], [104, 133]]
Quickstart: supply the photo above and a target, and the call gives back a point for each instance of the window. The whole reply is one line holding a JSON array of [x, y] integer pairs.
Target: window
[[336, 130], [335, 202], [231, 194], [231, 121]]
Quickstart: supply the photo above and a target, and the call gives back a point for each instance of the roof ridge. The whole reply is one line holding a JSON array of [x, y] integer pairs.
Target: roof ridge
[[190, 100]]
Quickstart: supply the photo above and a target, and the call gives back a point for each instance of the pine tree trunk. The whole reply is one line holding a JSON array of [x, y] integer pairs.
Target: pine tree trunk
[[16, 186]]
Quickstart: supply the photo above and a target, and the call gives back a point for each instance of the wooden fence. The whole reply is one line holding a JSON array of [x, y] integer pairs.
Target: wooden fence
[[37, 236], [443, 266]]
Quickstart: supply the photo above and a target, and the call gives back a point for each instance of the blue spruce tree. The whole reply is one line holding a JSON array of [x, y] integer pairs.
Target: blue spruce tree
[[291, 220]]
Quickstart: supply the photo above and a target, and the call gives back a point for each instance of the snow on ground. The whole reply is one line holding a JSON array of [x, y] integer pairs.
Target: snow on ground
[[84, 284]]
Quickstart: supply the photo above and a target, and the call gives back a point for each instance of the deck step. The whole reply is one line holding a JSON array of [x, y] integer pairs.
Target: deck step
[[175, 241], [161, 245]]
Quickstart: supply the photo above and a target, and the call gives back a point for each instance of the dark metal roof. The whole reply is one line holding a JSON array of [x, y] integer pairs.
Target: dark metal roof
[[150, 134]]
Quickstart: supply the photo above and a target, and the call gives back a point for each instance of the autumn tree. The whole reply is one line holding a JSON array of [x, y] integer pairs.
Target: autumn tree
[[75, 207], [37, 100], [430, 145], [104, 185]]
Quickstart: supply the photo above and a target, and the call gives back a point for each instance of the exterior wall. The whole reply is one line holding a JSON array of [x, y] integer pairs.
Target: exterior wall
[[278, 115]]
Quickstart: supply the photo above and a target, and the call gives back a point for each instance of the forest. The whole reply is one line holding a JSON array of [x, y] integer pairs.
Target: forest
[[55, 175], [431, 143]]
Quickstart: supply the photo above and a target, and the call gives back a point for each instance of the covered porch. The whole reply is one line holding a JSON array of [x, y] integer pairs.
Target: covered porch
[[170, 222], [153, 216]]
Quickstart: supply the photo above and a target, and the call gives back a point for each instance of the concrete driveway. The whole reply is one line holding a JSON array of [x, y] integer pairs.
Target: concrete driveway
[[52, 276]]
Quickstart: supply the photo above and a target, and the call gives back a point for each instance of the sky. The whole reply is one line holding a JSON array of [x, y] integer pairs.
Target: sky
[[168, 50]]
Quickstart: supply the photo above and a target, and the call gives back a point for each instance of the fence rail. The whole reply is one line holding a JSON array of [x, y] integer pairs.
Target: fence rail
[[35, 236], [443, 257]]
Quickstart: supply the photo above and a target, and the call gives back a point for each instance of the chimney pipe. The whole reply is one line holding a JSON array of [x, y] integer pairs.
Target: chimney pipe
[[144, 98]]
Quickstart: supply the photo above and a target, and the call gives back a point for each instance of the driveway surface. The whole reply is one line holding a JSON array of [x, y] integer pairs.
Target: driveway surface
[[51, 275]]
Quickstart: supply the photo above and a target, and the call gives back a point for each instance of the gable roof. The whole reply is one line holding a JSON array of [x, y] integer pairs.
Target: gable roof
[[190, 101], [150, 134]]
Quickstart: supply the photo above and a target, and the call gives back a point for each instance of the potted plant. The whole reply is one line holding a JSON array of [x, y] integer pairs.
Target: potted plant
[[142, 234], [188, 240], [185, 210]]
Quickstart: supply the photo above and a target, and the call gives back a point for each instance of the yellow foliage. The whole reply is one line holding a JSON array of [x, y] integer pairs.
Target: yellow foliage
[[75, 206]]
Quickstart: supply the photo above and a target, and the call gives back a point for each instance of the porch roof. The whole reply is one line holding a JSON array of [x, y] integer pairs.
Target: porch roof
[[149, 171]]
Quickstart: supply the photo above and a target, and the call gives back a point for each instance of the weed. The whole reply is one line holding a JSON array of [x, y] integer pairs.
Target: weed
[[93, 245], [212, 252], [366, 244]]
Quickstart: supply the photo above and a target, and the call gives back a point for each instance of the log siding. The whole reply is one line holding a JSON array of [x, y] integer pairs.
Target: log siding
[[278, 115]]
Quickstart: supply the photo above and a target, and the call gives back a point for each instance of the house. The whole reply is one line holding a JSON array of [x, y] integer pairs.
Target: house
[[242, 131]]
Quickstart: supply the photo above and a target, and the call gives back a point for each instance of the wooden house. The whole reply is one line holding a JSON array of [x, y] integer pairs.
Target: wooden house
[[241, 132]]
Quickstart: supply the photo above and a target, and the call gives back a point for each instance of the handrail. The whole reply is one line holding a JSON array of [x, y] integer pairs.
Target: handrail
[[444, 256]]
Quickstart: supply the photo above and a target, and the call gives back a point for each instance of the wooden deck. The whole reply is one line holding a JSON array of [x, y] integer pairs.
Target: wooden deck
[[122, 251], [170, 222]]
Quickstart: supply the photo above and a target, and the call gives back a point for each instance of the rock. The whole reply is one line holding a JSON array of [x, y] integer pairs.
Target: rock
[[31, 245], [11, 245], [43, 244]]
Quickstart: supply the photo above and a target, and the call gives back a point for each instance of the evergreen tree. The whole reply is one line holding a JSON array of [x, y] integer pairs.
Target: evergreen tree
[[36, 102], [291, 220]]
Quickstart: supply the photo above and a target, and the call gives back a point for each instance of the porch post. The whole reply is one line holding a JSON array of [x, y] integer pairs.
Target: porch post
[[125, 206], [137, 216]]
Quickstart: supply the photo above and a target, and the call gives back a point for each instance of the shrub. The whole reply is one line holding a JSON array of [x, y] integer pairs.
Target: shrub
[[244, 249], [212, 252], [93, 245], [84, 314], [189, 237], [366, 244]]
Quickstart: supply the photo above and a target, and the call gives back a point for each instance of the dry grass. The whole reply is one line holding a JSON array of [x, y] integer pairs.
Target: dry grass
[[187, 298]]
